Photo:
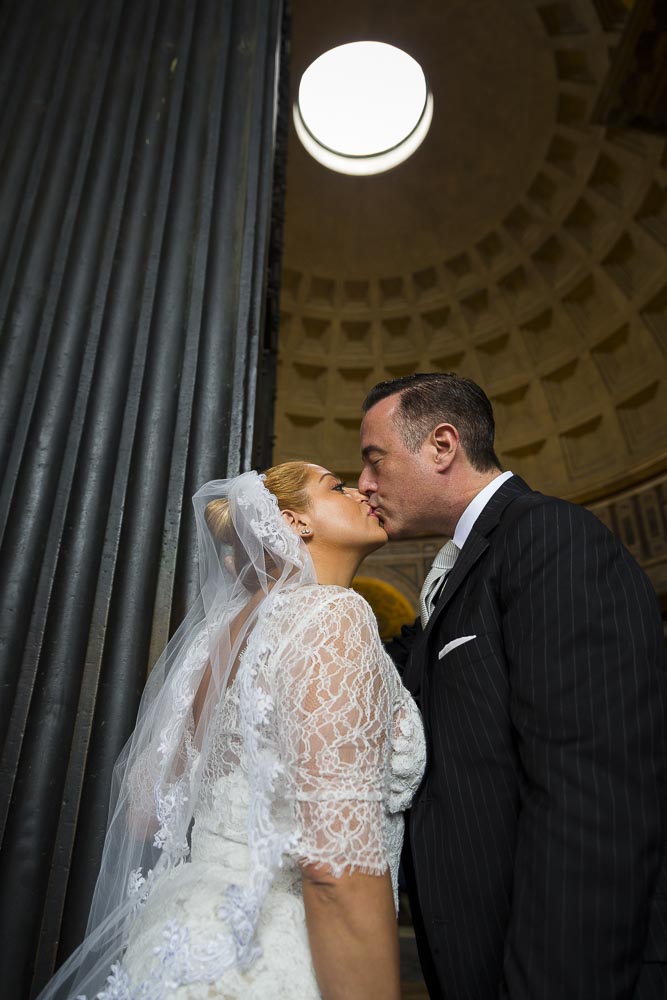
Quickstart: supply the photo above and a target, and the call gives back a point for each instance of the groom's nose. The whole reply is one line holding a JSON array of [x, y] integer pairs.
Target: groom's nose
[[366, 485]]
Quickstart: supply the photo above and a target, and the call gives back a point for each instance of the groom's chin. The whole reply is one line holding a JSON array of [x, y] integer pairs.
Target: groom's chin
[[397, 532], [392, 532]]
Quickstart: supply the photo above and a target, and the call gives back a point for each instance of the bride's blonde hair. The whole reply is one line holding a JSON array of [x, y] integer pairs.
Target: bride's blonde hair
[[287, 482]]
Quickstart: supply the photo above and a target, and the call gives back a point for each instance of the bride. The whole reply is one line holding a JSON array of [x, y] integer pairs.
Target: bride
[[256, 820]]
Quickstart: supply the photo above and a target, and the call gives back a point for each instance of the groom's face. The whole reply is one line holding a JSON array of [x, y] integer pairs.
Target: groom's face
[[398, 483]]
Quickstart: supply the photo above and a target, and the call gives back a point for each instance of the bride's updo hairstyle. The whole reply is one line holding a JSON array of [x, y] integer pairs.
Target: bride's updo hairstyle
[[288, 483]]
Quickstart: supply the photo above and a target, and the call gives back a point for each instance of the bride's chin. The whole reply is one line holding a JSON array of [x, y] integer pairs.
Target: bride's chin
[[377, 543], [381, 531]]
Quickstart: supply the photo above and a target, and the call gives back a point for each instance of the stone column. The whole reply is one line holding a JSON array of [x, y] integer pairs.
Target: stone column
[[137, 154]]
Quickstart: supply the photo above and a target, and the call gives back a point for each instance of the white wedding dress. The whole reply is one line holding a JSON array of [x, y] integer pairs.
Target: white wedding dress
[[350, 744]]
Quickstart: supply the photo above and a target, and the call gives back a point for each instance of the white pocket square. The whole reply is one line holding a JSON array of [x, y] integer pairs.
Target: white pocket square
[[449, 646]]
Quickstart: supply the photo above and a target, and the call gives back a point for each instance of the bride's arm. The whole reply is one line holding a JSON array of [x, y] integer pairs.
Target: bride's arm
[[336, 725], [351, 924]]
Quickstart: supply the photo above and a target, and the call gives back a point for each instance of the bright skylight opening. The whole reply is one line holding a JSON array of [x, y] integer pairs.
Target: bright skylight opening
[[363, 107]]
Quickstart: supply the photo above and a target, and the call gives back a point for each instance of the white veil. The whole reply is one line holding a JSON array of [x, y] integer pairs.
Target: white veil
[[158, 777]]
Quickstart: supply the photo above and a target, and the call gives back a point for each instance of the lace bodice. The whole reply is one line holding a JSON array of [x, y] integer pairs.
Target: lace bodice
[[347, 733], [341, 755]]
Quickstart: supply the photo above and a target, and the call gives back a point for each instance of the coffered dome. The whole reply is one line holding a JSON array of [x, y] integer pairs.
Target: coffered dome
[[520, 245]]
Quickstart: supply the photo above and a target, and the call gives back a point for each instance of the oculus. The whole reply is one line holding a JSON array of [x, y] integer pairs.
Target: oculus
[[363, 108]]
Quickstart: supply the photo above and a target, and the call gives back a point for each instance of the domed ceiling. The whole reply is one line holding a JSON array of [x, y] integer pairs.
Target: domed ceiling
[[520, 245]]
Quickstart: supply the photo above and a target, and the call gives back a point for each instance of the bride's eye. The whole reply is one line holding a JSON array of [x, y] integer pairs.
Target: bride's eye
[[340, 487]]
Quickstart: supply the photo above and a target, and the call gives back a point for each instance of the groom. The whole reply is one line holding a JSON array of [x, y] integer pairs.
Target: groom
[[534, 853]]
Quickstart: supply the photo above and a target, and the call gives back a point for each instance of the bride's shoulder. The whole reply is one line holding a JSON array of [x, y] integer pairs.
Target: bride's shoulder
[[325, 602], [342, 599]]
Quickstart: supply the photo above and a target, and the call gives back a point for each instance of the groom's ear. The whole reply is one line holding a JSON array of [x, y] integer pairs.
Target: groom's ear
[[445, 443]]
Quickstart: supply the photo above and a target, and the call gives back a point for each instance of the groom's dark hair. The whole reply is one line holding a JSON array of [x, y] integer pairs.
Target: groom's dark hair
[[431, 398]]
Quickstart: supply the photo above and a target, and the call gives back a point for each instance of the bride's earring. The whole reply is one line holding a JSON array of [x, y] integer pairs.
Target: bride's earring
[[305, 531]]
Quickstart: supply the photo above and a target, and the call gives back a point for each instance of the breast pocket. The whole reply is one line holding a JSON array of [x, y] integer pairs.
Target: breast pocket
[[453, 644], [471, 659], [468, 700], [468, 647]]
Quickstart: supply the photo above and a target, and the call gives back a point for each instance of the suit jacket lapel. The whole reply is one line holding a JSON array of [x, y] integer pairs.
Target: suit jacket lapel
[[476, 543], [475, 546]]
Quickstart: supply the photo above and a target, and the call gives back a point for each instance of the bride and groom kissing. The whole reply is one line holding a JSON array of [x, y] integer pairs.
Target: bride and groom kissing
[[519, 724]]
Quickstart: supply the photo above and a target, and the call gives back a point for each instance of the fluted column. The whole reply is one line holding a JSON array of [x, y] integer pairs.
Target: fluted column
[[136, 160]]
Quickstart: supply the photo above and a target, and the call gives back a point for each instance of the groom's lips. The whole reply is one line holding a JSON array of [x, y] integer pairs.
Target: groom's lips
[[374, 512]]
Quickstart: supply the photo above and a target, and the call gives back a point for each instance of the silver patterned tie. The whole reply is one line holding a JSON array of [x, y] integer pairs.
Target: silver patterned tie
[[442, 564]]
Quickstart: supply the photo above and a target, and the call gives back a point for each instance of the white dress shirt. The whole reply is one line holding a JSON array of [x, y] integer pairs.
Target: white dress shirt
[[475, 508]]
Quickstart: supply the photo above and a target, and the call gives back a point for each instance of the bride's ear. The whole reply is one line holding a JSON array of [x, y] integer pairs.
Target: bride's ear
[[298, 523]]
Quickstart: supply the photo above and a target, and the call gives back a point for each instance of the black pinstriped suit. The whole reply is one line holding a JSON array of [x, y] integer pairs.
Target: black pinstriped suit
[[535, 842]]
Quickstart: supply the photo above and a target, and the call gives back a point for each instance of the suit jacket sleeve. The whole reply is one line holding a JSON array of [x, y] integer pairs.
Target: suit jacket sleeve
[[586, 661]]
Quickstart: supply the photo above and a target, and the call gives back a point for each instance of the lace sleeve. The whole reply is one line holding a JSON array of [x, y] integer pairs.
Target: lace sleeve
[[335, 720], [408, 752]]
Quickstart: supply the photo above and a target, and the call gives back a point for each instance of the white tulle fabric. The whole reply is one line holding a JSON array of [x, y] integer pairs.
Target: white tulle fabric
[[306, 749]]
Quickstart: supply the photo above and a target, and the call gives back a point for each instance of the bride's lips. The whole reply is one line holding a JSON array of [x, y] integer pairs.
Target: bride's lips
[[373, 512]]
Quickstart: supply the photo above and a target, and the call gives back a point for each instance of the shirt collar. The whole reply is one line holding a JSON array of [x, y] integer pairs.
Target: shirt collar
[[475, 508]]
